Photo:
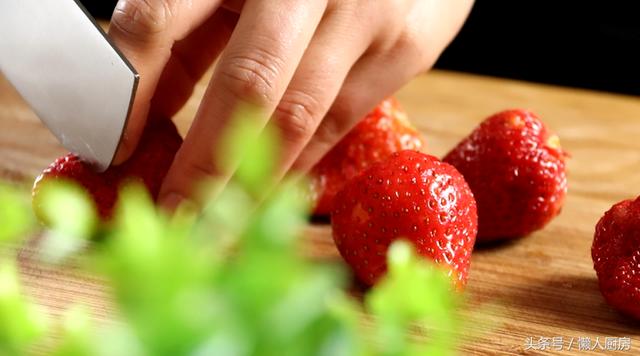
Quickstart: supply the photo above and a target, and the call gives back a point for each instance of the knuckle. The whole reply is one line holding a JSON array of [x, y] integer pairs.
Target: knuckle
[[252, 77], [342, 113], [399, 8], [297, 115], [415, 47], [197, 169], [141, 19], [328, 135], [333, 129], [345, 113]]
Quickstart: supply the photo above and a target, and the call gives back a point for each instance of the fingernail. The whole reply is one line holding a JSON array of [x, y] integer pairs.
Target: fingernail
[[171, 201]]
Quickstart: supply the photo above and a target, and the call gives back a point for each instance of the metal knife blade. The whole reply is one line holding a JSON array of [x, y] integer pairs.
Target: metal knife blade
[[64, 66]]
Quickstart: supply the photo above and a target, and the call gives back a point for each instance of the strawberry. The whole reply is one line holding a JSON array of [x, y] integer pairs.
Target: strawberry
[[149, 164], [616, 256], [409, 195], [516, 170], [383, 131]]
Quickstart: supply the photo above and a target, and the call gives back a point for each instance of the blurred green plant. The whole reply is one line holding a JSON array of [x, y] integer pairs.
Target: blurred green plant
[[227, 281], [15, 218], [20, 322]]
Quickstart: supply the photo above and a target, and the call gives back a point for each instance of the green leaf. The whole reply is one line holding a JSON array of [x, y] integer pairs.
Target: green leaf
[[303, 302], [118, 339], [67, 208], [69, 213], [78, 337], [414, 291], [250, 150], [21, 324], [224, 220], [15, 215], [278, 221], [159, 276], [347, 337], [230, 281]]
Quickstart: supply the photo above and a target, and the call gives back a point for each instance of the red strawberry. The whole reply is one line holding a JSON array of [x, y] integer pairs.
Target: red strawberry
[[149, 163], [409, 195], [383, 131], [616, 256], [516, 170]]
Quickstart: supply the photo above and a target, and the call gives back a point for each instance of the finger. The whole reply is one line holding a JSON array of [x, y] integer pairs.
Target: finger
[[351, 105], [338, 43], [190, 60], [145, 32], [430, 26], [233, 5], [255, 68]]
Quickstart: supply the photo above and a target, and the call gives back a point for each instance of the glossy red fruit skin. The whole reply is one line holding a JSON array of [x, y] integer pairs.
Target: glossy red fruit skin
[[409, 195], [516, 170], [383, 131], [616, 256], [148, 164]]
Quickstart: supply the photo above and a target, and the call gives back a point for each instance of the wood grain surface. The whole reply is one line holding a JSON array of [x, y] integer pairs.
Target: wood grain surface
[[540, 286]]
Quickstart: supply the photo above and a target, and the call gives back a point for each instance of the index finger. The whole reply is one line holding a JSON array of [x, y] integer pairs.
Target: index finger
[[255, 68], [145, 31]]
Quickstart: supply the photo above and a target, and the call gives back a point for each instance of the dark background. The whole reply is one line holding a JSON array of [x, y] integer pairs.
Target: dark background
[[587, 44]]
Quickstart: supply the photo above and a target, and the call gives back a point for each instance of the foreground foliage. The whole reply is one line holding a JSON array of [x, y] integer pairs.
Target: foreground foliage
[[228, 281]]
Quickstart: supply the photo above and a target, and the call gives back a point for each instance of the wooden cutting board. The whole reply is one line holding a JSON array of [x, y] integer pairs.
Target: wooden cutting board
[[529, 291]]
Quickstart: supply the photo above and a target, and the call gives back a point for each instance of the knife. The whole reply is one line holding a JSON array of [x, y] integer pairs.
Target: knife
[[72, 76]]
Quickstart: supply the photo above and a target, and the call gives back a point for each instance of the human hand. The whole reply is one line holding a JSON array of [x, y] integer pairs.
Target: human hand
[[313, 67]]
